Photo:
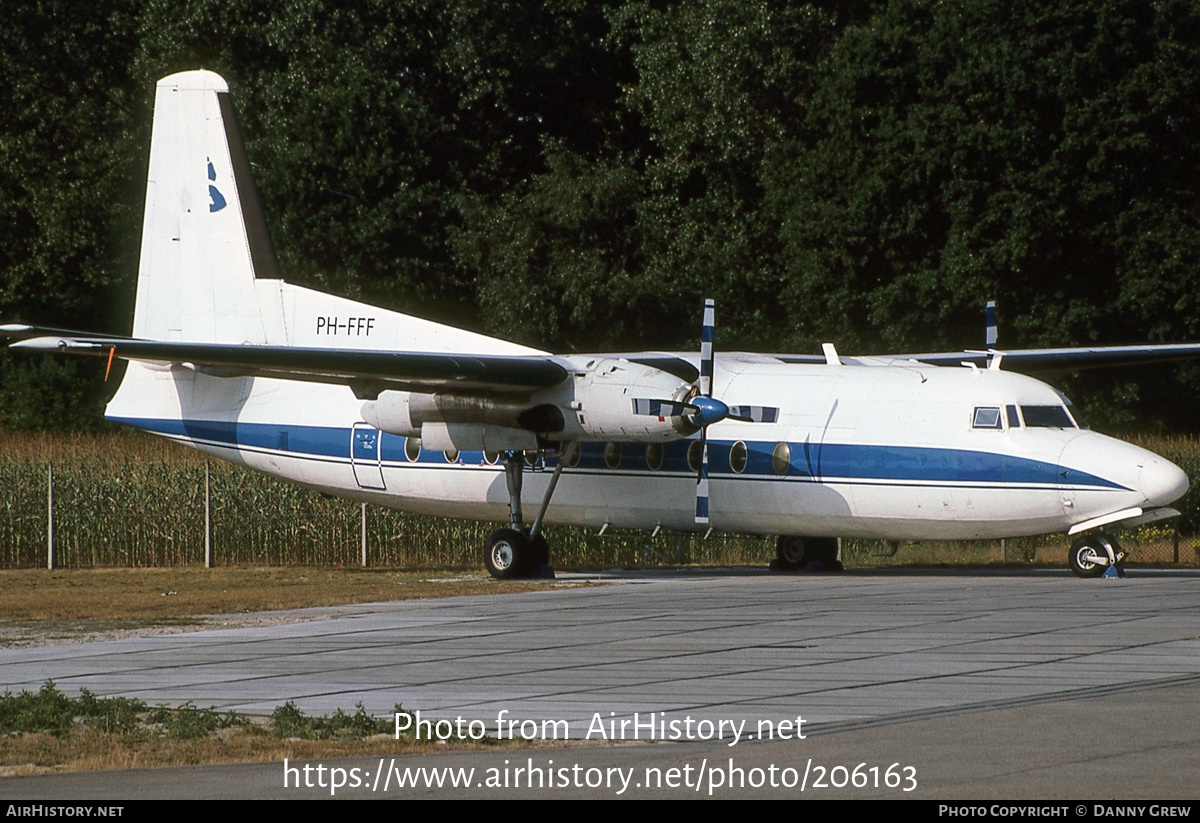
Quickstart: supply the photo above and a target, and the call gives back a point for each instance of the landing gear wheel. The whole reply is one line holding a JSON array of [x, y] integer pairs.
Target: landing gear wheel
[[793, 554], [541, 551], [789, 554], [1088, 557], [824, 550], [509, 555]]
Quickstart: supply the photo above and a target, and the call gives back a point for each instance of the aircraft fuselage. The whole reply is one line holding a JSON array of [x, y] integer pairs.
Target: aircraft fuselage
[[901, 452]]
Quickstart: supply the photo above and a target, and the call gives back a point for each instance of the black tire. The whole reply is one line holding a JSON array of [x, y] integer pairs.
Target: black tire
[[824, 549], [541, 551], [509, 555], [1084, 554], [790, 553]]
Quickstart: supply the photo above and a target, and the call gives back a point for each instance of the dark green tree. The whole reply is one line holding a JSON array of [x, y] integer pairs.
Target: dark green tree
[[69, 206], [1035, 153]]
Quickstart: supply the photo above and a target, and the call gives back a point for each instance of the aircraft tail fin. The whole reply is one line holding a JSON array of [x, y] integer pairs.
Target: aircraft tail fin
[[204, 237]]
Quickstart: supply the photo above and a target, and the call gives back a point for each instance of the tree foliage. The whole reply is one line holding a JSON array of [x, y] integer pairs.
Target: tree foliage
[[581, 175]]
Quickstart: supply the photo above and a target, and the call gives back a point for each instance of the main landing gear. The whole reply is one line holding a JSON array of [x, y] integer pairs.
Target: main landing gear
[[793, 554], [1096, 555], [517, 552]]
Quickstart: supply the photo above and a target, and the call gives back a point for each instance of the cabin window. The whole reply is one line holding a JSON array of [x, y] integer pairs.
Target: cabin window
[[654, 455], [987, 417], [1014, 422], [1047, 417], [491, 457], [612, 455], [573, 456], [738, 456], [412, 448], [451, 455], [781, 458], [695, 452]]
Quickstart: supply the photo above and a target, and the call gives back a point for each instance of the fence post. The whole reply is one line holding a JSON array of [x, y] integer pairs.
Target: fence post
[[1175, 538], [207, 519], [364, 535], [49, 515]]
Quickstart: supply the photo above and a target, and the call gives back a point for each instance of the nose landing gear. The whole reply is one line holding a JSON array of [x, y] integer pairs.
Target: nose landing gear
[[1096, 555]]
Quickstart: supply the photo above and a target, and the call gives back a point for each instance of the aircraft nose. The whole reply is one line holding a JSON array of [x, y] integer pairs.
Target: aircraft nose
[[1161, 481]]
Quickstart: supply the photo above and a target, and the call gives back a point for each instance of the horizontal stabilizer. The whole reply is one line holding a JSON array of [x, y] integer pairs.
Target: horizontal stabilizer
[[20, 331]]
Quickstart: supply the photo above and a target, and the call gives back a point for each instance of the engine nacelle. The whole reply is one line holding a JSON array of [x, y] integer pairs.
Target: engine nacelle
[[404, 413], [602, 406], [596, 403]]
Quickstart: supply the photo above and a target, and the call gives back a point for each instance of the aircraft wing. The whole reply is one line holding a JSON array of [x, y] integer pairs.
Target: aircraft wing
[[1065, 359], [361, 369], [368, 371]]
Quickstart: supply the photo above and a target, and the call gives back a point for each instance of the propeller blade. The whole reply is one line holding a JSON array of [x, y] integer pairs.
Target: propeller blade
[[708, 410], [707, 338], [702, 482], [661, 408], [754, 414]]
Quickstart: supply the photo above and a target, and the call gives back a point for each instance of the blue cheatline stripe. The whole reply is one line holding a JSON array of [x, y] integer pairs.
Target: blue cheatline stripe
[[832, 462]]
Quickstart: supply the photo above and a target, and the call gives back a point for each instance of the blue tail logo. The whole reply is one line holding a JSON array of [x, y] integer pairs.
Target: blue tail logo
[[218, 199]]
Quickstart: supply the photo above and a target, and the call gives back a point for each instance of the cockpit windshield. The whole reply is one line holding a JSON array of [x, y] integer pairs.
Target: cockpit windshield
[[1047, 417]]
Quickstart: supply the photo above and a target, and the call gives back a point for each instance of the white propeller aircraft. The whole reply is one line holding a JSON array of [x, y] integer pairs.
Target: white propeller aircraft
[[398, 411]]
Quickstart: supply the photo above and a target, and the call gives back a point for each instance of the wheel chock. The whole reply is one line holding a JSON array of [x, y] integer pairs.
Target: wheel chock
[[544, 573], [1113, 572]]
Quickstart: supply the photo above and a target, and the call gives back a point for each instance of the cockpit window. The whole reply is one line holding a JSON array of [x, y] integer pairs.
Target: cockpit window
[[987, 417], [1014, 422], [1078, 421], [1047, 417]]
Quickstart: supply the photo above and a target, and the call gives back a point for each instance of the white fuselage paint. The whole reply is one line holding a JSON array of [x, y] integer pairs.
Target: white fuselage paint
[[875, 451]]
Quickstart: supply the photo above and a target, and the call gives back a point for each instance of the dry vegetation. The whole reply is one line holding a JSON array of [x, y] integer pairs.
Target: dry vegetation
[[164, 595], [90, 750]]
